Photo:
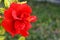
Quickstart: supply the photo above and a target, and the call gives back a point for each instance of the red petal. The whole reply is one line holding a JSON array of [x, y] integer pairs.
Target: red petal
[[28, 26], [24, 33], [33, 18], [21, 8], [7, 14], [19, 26], [26, 8], [8, 26], [16, 7], [14, 15]]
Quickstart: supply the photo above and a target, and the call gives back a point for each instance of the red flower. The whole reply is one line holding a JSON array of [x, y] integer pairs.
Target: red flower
[[17, 19]]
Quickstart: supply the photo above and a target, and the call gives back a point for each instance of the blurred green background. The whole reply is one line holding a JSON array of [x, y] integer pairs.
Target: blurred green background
[[47, 26]]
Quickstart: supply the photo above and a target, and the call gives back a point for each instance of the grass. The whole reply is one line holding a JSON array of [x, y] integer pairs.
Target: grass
[[47, 26]]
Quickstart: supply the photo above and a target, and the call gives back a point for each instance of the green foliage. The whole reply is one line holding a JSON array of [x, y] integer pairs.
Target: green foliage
[[21, 38], [0, 1], [2, 37], [7, 3], [1, 10]]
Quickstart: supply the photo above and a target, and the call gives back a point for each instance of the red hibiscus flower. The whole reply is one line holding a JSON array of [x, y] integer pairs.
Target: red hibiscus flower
[[17, 19]]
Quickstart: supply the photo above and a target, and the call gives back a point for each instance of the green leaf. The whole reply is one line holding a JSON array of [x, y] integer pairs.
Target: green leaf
[[14, 0], [2, 31], [2, 37], [7, 3], [0, 1], [21, 38], [2, 10]]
